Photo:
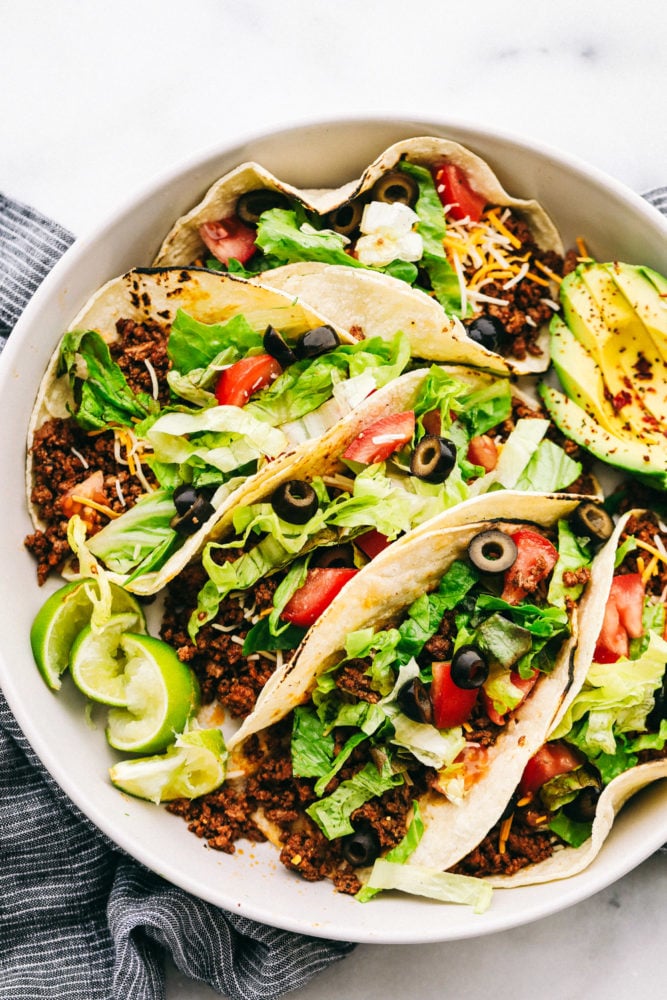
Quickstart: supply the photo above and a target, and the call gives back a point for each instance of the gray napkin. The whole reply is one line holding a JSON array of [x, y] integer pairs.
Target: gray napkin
[[79, 919]]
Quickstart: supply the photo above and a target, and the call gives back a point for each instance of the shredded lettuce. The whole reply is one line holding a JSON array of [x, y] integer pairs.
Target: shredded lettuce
[[430, 882], [332, 813], [573, 553], [399, 854], [142, 539], [100, 389], [549, 469], [432, 228], [616, 698], [193, 346]]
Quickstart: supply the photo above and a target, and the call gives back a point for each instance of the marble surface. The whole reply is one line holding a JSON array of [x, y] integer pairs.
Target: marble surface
[[96, 99]]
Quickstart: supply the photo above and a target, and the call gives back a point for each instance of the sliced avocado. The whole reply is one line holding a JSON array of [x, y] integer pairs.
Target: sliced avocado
[[646, 291], [599, 315], [583, 382], [647, 462]]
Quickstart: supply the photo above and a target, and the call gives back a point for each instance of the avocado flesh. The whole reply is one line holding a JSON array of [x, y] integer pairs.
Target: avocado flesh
[[646, 291], [583, 382], [647, 462], [604, 321]]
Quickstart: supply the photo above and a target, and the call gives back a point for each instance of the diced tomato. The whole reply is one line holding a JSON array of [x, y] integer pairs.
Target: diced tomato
[[382, 438], [452, 705], [372, 543], [455, 191], [482, 450], [91, 488], [238, 382], [474, 762], [622, 618], [322, 584], [229, 238], [550, 760], [535, 559], [524, 684]]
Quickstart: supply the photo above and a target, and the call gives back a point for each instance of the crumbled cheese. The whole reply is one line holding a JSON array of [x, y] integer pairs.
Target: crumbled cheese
[[388, 234]]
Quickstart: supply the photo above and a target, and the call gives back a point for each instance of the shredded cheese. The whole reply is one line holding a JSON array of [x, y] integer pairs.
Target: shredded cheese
[[94, 505], [652, 550], [505, 828]]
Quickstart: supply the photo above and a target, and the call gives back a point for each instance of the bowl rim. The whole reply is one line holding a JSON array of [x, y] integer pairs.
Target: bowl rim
[[570, 891]]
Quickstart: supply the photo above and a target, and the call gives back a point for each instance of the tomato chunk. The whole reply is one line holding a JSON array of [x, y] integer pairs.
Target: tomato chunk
[[372, 542], [550, 760], [536, 557], [322, 584], [229, 238], [238, 382], [456, 193], [482, 450], [452, 705], [382, 438], [91, 488], [524, 684], [622, 618]]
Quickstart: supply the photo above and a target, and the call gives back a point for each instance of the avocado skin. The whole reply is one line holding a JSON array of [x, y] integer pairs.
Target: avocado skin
[[646, 462]]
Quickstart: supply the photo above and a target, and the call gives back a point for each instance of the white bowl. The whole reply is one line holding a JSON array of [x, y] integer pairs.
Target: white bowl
[[615, 223]]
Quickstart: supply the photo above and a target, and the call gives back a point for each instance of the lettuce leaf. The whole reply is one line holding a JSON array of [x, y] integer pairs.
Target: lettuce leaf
[[549, 469], [100, 389], [573, 553], [332, 814], [141, 539], [399, 855], [193, 345]]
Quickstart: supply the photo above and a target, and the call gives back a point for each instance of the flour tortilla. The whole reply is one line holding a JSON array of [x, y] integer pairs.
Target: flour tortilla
[[379, 595], [568, 861], [366, 300], [152, 294]]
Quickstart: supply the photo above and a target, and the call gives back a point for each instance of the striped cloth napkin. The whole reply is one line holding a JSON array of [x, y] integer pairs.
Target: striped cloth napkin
[[79, 919]]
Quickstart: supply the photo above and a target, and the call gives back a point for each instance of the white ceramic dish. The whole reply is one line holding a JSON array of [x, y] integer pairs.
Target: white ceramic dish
[[615, 224]]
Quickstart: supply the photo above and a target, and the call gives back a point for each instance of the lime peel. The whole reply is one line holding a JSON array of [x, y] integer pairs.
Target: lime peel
[[193, 765]]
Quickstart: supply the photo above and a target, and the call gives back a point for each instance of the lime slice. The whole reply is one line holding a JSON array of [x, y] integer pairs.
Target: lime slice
[[62, 617], [97, 659], [161, 694], [194, 765]]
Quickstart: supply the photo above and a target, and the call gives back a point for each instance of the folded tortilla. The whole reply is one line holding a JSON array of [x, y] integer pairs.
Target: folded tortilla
[[380, 594], [568, 861], [156, 295], [360, 299]]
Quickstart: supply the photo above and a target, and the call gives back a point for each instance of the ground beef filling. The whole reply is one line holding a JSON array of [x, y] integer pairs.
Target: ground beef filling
[[644, 528], [500, 853], [224, 673], [529, 304], [64, 455], [272, 802]]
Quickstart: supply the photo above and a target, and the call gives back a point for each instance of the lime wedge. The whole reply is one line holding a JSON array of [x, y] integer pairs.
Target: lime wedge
[[161, 694], [194, 765], [97, 659], [61, 618]]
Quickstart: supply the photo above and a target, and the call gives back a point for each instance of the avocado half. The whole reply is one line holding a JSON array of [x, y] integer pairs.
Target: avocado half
[[610, 353]]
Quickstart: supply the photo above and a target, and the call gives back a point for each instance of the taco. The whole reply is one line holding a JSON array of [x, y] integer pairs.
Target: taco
[[174, 395], [608, 740], [405, 721], [474, 270], [433, 442]]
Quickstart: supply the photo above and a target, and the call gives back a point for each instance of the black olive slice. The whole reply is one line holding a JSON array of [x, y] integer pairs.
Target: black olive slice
[[591, 520], [469, 669], [362, 847], [488, 331], [582, 809], [250, 205], [194, 517], [314, 342], [396, 186], [277, 348], [433, 458], [184, 497], [415, 701], [295, 501], [492, 551], [335, 556], [346, 218]]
